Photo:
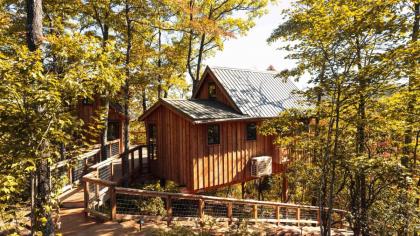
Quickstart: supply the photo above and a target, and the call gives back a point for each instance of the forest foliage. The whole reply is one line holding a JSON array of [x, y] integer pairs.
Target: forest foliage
[[362, 57], [361, 140], [55, 53]]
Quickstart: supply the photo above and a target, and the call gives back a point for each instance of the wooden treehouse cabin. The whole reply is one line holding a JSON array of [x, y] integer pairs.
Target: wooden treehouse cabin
[[88, 111], [211, 140]]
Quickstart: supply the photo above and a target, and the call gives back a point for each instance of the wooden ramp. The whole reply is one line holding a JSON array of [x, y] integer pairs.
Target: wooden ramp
[[73, 200]]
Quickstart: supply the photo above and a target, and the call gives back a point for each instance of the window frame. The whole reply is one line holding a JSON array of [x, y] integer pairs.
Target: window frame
[[254, 132], [214, 142], [212, 95], [116, 124]]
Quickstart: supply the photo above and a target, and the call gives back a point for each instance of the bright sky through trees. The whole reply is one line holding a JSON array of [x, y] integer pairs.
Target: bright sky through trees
[[252, 51]]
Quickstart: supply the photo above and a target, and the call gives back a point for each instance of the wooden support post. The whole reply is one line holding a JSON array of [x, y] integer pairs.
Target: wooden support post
[[111, 171], [201, 208], [341, 225], [141, 160], [69, 170], [255, 211], [318, 217], [113, 201], [278, 215], [110, 150], [86, 197], [229, 213], [298, 216], [132, 162], [168, 210]]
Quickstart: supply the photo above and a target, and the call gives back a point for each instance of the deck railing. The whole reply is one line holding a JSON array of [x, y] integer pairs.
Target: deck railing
[[110, 172], [104, 199], [74, 169]]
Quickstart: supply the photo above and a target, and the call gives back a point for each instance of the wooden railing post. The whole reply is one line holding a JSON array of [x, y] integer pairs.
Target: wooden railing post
[[86, 196], [132, 162], [113, 201], [298, 216], [341, 225], [169, 210], [140, 160], [201, 208], [70, 175], [111, 170], [278, 215], [229, 213], [255, 211], [318, 217]]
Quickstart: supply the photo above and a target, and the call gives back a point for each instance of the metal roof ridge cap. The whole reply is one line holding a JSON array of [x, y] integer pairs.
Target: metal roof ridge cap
[[244, 69]]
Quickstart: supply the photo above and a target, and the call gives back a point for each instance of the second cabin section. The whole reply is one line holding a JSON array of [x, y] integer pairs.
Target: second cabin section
[[211, 140]]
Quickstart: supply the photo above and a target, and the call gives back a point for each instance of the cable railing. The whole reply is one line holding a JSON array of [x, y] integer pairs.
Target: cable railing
[[72, 170], [105, 199]]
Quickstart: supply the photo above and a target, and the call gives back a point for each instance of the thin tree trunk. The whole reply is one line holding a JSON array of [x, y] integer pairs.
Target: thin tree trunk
[[411, 88], [325, 218], [190, 46], [159, 64], [334, 160], [127, 95], [143, 100], [362, 210], [104, 138], [199, 61], [105, 100]]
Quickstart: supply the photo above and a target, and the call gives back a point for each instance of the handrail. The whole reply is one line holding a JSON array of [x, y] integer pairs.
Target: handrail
[[107, 189], [141, 192], [113, 141]]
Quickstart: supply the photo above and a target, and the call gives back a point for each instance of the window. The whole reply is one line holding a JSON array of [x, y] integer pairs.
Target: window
[[212, 91], [213, 134], [152, 150], [113, 130], [251, 131]]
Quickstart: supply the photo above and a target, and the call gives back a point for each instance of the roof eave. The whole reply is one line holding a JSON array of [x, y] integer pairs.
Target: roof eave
[[162, 102], [207, 121]]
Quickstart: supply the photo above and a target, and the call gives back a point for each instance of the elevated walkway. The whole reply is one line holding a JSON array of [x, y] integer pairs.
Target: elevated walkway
[[103, 199]]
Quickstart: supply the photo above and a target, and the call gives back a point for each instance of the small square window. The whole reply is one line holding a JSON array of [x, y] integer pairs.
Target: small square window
[[212, 91], [213, 134], [251, 131]]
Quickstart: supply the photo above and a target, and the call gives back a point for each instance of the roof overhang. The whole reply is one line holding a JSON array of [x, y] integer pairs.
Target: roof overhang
[[209, 121], [162, 102]]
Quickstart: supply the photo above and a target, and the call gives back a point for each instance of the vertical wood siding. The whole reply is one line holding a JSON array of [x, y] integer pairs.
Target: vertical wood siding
[[88, 113], [184, 156]]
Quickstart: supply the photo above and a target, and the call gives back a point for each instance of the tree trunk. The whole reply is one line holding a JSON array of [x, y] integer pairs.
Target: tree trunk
[[34, 13], [125, 164], [104, 26], [41, 211], [159, 64], [199, 61], [361, 207], [334, 160], [104, 134], [105, 101], [412, 96], [143, 100]]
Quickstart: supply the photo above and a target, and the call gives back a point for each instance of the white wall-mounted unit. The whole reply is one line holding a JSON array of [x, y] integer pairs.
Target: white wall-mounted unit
[[261, 166]]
